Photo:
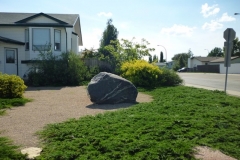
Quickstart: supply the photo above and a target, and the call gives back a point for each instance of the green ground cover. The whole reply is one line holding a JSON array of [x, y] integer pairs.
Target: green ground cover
[[178, 119], [8, 151], [8, 103]]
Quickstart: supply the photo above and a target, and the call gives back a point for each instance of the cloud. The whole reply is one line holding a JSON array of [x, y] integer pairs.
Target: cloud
[[212, 26], [209, 10], [91, 38], [124, 25], [109, 14], [226, 18], [178, 30]]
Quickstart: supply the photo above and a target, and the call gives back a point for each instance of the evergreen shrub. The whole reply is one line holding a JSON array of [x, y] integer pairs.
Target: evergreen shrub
[[169, 78], [11, 86], [51, 70]]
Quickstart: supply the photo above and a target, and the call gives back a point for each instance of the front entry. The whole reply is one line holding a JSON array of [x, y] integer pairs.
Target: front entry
[[10, 61]]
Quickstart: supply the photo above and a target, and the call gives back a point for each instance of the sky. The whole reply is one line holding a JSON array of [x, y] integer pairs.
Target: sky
[[170, 26]]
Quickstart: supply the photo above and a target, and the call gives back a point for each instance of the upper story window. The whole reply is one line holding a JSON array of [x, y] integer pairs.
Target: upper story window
[[57, 40], [26, 39], [41, 39]]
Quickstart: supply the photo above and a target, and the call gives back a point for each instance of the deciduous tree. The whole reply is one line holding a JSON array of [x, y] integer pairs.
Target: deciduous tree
[[150, 60], [216, 52], [155, 58], [236, 47]]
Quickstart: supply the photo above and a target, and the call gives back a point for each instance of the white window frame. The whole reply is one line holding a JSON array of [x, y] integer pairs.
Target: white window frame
[[45, 45], [57, 43], [27, 39]]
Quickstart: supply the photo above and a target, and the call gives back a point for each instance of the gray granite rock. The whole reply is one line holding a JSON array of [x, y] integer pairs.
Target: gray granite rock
[[107, 88]]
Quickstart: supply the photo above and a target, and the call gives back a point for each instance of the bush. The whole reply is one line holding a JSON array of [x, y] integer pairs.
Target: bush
[[9, 151], [141, 73], [51, 70], [11, 86], [169, 78]]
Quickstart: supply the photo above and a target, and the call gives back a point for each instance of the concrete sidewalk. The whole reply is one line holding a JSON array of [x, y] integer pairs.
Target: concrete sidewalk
[[229, 92]]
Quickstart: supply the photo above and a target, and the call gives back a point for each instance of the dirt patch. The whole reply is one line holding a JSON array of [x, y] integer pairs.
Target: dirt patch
[[206, 153], [51, 105]]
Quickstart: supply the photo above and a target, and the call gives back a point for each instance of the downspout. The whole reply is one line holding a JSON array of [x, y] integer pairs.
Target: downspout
[[66, 38], [17, 60]]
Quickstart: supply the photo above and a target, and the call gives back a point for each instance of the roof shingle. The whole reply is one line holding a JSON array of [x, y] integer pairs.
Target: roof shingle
[[7, 18]]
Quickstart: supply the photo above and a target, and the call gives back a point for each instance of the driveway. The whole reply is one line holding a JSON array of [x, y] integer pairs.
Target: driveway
[[213, 81]]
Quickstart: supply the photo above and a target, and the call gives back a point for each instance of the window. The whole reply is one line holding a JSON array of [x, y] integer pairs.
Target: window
[[10, 56], [57, 40], [41, 39], [26, 39]]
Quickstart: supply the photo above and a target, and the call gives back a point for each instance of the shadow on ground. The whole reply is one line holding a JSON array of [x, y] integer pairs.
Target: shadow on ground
[[46, 88], [110, 106]]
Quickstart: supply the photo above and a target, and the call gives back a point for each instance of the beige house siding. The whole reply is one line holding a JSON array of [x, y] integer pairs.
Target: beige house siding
[[20, 55], [41, 19], [16, 33]]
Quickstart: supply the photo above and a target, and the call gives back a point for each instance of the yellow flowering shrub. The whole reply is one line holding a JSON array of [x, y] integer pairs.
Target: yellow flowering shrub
[[11, 86], [141, 73]]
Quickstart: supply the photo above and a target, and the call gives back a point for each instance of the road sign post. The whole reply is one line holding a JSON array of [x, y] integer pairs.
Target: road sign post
[[229, 35]]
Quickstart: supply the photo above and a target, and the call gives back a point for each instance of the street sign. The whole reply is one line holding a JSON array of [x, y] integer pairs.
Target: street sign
[[229, 35], [228, 49]]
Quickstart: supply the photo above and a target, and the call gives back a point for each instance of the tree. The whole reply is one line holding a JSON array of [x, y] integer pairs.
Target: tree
[[236, 47], [216, 52], [118, 52], [161, 56], [150, 60], [89, 53], [177, 56], [110, 33], [181, 59], [155, 58], [131, 50]]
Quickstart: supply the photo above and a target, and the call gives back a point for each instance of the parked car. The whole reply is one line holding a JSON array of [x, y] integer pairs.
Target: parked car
[[184, 69]]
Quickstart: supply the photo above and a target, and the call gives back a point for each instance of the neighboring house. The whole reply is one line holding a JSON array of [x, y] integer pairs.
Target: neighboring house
[[214, 64], [23, 35], [235, 59], [160, 64], [233, 69], [170, 64], [195, 61]]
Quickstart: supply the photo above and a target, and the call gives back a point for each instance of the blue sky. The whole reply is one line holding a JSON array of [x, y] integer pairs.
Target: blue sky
[[178, 25]]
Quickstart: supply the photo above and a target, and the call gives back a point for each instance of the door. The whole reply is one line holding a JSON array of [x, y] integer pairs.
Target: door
[[10, 61]]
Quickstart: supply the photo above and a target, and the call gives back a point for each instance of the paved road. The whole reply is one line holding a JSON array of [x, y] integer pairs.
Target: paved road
[[212, 80]]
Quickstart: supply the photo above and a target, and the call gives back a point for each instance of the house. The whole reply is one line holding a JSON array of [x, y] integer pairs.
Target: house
[[233, 69], [214, 64], [221, 60], [195, 61], [160, 64], [24, 35], [170, 64]]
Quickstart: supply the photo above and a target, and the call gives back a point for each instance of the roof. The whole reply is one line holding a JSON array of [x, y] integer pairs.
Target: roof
[[222, 59], [62, 20], [205, 59], [20, 19], [7, 40]]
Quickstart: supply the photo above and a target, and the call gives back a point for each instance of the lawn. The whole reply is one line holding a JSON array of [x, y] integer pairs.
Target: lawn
[[178, 119]]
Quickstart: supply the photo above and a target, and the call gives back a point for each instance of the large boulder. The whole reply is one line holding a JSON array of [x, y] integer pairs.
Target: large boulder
[[107, 88]]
